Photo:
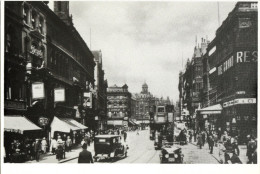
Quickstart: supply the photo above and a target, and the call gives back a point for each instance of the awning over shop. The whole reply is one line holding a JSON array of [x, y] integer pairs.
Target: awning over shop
[[18, 124], [62, 126], [214, 109], [74, 122]]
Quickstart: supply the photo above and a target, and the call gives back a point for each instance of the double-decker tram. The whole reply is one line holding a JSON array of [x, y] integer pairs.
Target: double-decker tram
[[160, 126]]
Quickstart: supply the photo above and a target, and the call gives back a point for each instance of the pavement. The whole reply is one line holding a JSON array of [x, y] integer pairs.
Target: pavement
[[50, 158], [215, 154]]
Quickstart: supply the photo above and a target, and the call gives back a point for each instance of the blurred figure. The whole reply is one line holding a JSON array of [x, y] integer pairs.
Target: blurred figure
[[222, 150], [44, 145], [37, 149], [251, 147], [53, 146], [68, 144], [85, 156]]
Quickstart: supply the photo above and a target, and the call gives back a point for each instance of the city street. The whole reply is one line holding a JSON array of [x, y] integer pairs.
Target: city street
[[141, 150]]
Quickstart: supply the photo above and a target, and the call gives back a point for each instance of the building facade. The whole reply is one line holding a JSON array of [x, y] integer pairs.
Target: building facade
[[118, 106], [48, 66], [230, 72], [100, 88]]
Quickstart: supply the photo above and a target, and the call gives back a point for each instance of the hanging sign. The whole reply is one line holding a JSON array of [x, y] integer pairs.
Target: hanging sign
[[43, 121], [59, 95], [38, 90], [87, 100]]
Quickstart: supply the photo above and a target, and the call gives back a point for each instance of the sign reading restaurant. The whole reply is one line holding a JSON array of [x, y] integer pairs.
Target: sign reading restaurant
[[239, 57]]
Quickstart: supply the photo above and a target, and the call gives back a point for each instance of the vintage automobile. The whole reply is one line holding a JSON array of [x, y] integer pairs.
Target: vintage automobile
[[109, 146], [171, 153]]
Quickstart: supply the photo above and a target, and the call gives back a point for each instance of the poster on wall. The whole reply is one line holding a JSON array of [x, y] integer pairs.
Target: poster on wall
[[87, 100], [38, 90], [59, 95]]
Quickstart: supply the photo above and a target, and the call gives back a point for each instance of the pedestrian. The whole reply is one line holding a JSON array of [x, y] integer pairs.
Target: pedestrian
[[203, 134], [211, 143], [125, 136], [195, 136], [251, 147], [235, 146], [224, 137], [190, 136], [199, 143], [68, 144], [215, 136], [37, 149], [59, 151], [44, 145], [16, 157], [53, 145], [85, 156], [221, 149]]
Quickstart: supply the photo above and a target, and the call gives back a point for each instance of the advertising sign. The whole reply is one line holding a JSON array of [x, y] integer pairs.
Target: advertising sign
[[87, 100], [43, 121], [38, 90], [59, 95]]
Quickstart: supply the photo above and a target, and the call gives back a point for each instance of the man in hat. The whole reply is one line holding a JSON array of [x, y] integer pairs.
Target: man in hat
[[37, 149], [85, 156]]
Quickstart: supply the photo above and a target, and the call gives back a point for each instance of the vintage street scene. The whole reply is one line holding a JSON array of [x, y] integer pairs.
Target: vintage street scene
[[130, 82]]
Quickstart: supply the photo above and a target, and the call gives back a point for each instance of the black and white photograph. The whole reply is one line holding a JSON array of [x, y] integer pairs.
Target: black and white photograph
[[129, 82]]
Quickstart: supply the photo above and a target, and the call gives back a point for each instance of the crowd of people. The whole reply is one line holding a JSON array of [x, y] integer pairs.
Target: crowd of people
[[226, 145]]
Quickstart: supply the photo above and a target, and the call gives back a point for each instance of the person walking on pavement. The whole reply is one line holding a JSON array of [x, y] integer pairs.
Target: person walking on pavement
[[53, 146], [211, 144], [203, 134], [44, 145], [251, 147], [37, 149], [190, 136], [235, 146], [195, 136], [125, 136], [68, 144], [221, 149], [85, 156], [200, 140]]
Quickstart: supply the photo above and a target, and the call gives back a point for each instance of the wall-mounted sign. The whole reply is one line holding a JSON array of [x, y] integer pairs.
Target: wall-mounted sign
[[239, 101], [38, 90], [59, 95], [170, 117], [87, 100], [43, 121]]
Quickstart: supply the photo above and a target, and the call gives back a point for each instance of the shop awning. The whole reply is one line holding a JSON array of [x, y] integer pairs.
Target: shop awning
[[74, 122], [115, 122], [62, 126], [18, 124], [214, 109]]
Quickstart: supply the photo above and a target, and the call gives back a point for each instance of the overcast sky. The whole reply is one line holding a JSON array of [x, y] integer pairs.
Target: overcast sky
[[145, 41]]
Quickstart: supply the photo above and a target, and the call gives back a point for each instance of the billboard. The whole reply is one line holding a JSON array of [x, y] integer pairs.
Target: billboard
[[38, 90]]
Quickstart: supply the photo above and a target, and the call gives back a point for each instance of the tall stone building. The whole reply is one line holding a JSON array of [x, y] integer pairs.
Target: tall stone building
[[100, 90], [118, 106], [48, 66], [231, 74]]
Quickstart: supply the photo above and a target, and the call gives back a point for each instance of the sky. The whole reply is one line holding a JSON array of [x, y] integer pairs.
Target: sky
[[146, 41]]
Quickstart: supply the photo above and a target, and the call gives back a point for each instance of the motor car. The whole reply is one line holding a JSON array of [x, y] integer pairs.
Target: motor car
[[171, 153], [109, 146]]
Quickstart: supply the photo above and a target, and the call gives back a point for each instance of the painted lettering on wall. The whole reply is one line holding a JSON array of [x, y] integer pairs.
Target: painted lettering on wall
[[246, 56]]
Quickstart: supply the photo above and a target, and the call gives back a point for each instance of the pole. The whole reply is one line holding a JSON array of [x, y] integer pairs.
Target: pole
[[218, 15]]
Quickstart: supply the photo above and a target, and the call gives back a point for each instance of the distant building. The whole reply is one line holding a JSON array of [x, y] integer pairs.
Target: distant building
[[100, 89], [118, 106]]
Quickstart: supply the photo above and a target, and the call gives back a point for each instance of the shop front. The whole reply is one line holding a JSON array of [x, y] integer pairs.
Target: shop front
[[210, 118], [241, 118]]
